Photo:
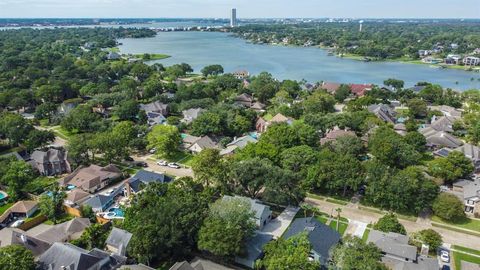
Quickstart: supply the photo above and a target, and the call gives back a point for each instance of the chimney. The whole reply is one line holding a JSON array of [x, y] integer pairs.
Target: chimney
[[129, 189]]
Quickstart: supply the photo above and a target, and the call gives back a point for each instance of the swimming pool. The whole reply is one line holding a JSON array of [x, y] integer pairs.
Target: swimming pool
[[3, 196], [118, 212]]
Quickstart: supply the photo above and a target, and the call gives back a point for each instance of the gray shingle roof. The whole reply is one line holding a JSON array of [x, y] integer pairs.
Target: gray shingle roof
[[254, 248], [98, 201], [440, 138], [119, 239], [321, 237], [384, 112], [147, 177], [393, 244], [66, 255]]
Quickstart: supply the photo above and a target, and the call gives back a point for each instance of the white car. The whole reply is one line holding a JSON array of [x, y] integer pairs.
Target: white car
[[153, 150], [173, 165], [162, 163], [17, 223], [445, 256], [109, 192]]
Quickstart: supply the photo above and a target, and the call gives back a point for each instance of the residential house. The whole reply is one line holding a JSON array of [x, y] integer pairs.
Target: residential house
[[155, 107], [188, 140], [254, 249], [444, 123], [330, 87], [238, 144], [198, 264], [14, 236], [201, 144], [400, 129], [154, 118], [65, 232], [469, 192], [423, 53], [258, 107], [447, 111], [398, 254], [66, 107], [191, 114], [241, 74], [472, 152], [99, 202], [360, 89], [471, 61], [321, 237], [262, 124], [384, 112], [335, 133], [417, 88], [438, 139], [117, 241], [50, 162], [113, 56], [91, 178], [76, 197], [143, 178], [431, 60], [62, 256], [453, 59], [244, 99], [262, 212], [20, 210], [442, 152]]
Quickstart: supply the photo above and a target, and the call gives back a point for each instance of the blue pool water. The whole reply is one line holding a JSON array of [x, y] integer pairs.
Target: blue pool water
[[2, 196], [118, 212]]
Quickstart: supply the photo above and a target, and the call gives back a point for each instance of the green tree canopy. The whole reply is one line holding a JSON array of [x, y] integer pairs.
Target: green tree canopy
[[166, 139], [354, 254], [15, 257], [389, 223], [449, 207]]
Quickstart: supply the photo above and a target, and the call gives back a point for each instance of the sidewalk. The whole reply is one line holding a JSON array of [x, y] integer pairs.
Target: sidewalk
[[355, 214]]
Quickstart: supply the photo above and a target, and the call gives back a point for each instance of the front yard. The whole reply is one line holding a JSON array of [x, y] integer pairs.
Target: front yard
[[460, 254], [468, 223]]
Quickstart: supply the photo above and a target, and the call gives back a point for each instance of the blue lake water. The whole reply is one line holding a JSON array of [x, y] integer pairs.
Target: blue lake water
[[312, 64]]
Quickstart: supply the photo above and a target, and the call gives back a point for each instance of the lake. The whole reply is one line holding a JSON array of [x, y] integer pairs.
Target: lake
[[312, 64]]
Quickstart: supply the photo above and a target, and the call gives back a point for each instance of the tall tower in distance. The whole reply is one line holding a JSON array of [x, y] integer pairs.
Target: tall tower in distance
[[233, 18], [361, 26]]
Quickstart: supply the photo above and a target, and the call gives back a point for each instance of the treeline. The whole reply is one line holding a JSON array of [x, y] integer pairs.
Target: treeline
[[382, 40]]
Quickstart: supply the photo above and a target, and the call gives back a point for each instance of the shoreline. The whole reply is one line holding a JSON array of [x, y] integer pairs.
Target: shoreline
[[358, 57]]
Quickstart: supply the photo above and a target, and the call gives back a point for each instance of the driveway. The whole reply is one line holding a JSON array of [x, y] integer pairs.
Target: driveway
[[356, 228], [353, 213], [279, 225]]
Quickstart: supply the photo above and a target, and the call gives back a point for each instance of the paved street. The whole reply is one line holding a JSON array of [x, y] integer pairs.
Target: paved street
[[353, 213], [152, 166]]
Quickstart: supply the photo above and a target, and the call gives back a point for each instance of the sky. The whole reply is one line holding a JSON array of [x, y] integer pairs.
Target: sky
[[245, 8]]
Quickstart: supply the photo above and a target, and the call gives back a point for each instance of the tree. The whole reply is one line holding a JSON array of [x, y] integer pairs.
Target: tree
[[417, 107], [452, 167], [16, 177], [431, 238], [80, 119], [390, 148], [164, 220], [449, 207], [209, 167], [94, 236], [207, 123], [353, 254], [292, 253], [51, 205], [298, 159], [212, 70], [38, 138], [406, 191], [127, 110], [45, 111], [343, 92], [417, 140], [397, 84], [335, 173], [166, 139], [319, 102], [14, 127], [389, 223], [228, 226], [16, 257], [351, 145], [264, 86]]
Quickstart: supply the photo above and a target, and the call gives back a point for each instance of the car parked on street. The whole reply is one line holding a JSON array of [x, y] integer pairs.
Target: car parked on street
[[174, 165], [162, 163]]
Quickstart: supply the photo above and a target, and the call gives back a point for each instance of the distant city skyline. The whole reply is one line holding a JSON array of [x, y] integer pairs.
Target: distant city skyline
[[247, 8]]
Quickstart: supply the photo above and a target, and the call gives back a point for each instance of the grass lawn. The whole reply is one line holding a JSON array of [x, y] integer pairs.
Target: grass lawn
[[342, 227], [11, 150], [469, 250], [152, 56], [181, 158], [459, 257], [467, 223], [62, 133], [322, 219], [365, 235], [4, 207]]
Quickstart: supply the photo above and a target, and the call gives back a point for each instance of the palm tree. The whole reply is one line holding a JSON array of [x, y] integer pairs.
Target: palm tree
[[338, 210]]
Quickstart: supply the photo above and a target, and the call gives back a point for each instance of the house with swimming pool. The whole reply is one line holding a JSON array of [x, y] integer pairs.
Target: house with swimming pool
[[142, 178], [91, 178]]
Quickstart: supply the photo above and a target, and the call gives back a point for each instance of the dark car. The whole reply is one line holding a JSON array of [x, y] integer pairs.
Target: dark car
[[128, 159], [141, 164], [445, 267]]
